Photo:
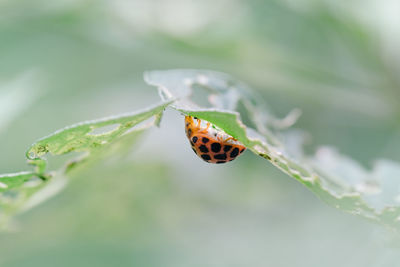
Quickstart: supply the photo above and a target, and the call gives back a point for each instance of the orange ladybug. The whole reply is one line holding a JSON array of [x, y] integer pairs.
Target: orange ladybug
[[211, 144]]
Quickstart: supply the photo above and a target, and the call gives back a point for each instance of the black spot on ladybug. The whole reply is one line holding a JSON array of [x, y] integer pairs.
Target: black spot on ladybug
[[205, 140], [203, 149], [220, 156], [220, 161], [234, 152], [227, 148], [241, 151], [190, 132], [205, 157], [194, 139], [215, 147]]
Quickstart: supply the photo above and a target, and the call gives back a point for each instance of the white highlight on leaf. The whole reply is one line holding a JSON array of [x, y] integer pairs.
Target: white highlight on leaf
[[105, 129], [187, 82], [368, 187], [202, 79], [290, 119], [142, 125]]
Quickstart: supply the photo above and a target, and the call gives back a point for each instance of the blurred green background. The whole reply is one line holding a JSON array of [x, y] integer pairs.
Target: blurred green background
[[67, 61]]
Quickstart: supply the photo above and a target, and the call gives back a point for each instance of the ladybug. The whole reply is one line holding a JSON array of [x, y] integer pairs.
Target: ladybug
[[211, 144]]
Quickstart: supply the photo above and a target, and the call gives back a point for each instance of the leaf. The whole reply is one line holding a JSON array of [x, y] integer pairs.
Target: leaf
[[339, 181], [24, 190], [90, 135], [15, 190], [14, 180]]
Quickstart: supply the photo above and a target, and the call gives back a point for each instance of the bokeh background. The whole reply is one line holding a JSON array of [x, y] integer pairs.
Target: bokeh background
[[67, 61]]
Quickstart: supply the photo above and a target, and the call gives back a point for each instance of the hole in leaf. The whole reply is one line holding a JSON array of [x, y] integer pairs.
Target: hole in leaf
[[141, 125], [105, 129], [245, 115], [32, 155], [59, 161], [33, 182], [200, 95]]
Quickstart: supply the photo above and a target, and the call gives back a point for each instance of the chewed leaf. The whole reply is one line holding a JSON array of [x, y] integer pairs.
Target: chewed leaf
[[14, 180], [15, 191], [334, 178], [194, 89], [100, 138], [90, 135], [378, 188]]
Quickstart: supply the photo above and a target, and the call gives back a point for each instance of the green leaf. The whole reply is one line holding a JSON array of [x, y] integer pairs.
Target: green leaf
[[14, 180], [15, 191], [334, 178], [24, 190], [90, 135]]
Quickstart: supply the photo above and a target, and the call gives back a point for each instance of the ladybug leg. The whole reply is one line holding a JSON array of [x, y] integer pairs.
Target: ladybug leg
[[198, 123], [230, 138], [206, 129]]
